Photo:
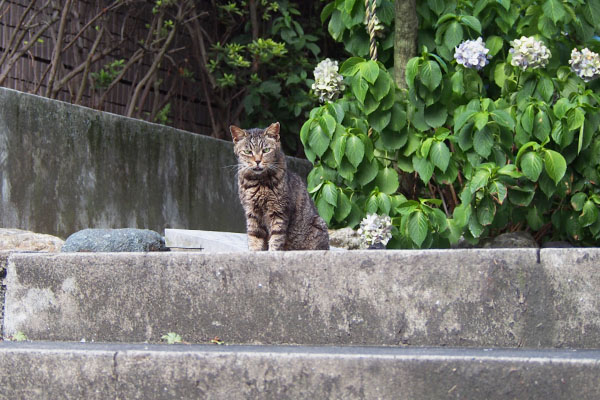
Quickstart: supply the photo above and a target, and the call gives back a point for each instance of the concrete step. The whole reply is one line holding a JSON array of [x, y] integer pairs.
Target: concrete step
[[52, 370], [468, 298]]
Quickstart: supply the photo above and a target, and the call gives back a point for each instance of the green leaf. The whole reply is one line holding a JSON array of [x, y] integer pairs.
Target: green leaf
[[435, 115], [336, 25], [355, 150], [520, 196], [556, 166], [417, 227], [499, 189], [541, 128], [578, 200], [527, 119], [412, 69], [589, 214], [503, 118], [384, 203], [462, 119], [575, 118], [318, 140], [344, 206], [339, 148], [351, 66], [486, 210], [367, 171], [382, 86], [458, 85], [494, 44], [471, 22], [431, 75], [325, 209], [479, 180], [387, 180], [370, 71], [554, 9], [534, 218], [481, 119], [561, 107], [475, 227], [546, 88], [500, 74], [328, 124], [440, 155], [532, 165], [453, 35], [483, 141], [462, 214], [398, 120], [379, 119], [330, 193], [423, 167], [359, 88]]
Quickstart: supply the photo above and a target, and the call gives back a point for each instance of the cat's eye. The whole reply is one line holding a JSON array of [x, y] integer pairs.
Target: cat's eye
[[247, 152], [266, 150]]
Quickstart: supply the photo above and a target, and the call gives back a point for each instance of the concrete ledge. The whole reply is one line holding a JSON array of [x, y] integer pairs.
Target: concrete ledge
[[495, 297], [75, 371], [64, 168]]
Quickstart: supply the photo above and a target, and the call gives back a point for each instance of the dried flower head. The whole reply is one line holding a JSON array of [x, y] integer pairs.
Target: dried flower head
[[586, 64], [375, 229], [472, 54], [328, 82], [528, 52]]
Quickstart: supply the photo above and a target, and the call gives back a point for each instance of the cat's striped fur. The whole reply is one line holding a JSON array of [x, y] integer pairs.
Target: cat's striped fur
[[280, 215]]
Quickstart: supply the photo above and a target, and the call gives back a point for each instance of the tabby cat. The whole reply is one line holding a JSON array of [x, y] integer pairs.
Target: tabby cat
[[279, 213]]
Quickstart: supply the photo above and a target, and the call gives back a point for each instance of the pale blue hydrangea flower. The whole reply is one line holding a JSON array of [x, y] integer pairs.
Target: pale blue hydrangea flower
[[375, 229], [586, 64], [328, 82], [472, 54], [527, 52]]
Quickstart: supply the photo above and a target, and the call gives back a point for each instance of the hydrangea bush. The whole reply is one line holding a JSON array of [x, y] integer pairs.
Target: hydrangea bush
[[497, 132]]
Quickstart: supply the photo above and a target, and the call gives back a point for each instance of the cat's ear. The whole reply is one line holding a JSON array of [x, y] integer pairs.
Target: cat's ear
[[237, 134], [273, 131]]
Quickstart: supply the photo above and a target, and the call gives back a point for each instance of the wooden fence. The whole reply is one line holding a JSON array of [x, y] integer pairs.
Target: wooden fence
[[30, 73]]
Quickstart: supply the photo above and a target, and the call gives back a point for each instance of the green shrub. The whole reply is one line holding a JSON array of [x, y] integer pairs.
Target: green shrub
[[464, 151]]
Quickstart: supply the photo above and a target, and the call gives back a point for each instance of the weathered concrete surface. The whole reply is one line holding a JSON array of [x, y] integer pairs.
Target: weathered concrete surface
[[574, 276], [473, 298], [103, 371], [64, 168], [207, 241]]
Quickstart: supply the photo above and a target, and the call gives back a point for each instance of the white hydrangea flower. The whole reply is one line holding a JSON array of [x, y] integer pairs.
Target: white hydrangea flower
[[586, 64], [375, 229], [328, 82], [379, 28], [528, 52], [472, 54]]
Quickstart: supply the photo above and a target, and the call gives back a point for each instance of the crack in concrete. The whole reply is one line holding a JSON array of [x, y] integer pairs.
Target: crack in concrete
[[115, 373]]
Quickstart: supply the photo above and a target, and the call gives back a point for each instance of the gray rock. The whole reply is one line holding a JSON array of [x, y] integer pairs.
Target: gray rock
[[345, 238], [114, 240], [20, 240], [511, 240]]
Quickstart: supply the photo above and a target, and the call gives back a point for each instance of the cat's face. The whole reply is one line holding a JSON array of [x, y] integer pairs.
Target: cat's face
[[257, 150]]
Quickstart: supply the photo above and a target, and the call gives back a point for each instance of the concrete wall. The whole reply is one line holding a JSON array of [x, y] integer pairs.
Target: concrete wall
[[64, 168]]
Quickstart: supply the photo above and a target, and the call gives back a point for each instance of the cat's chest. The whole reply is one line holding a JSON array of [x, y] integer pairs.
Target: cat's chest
[[262, 197]]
